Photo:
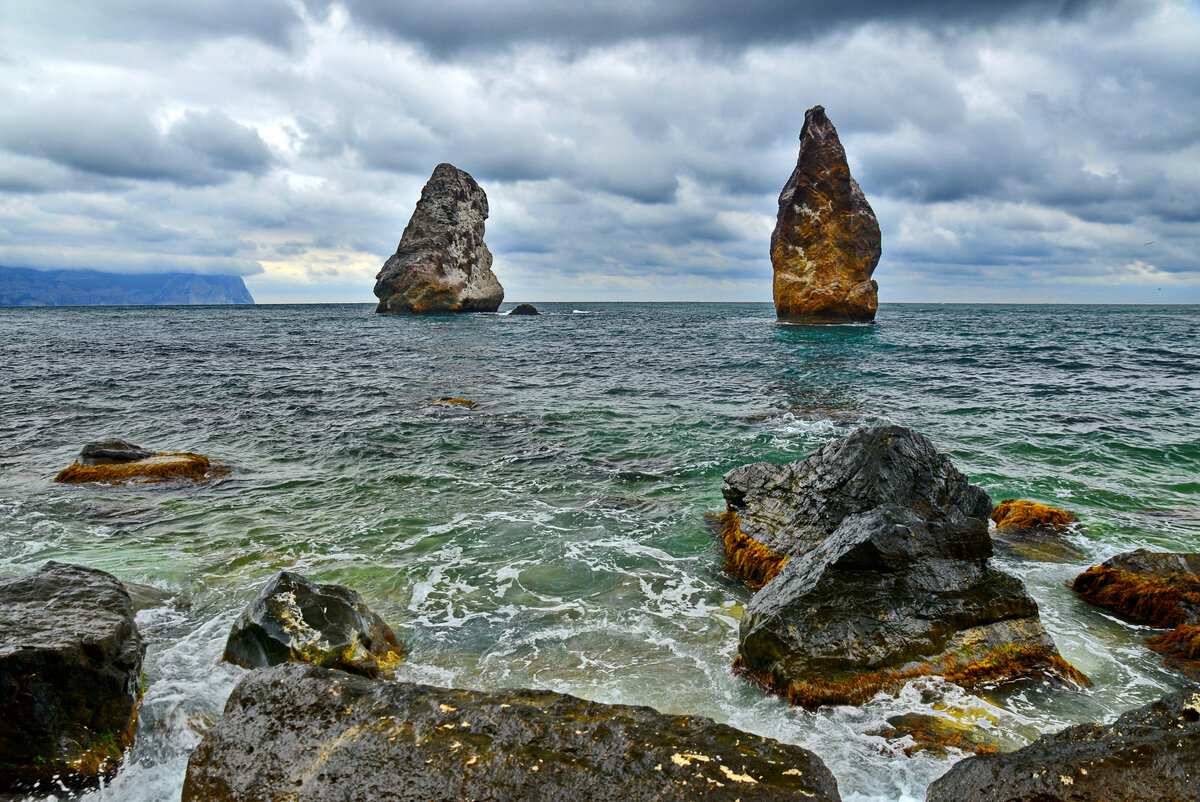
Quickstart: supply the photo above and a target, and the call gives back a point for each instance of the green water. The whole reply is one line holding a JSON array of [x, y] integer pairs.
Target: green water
[[553, 536]]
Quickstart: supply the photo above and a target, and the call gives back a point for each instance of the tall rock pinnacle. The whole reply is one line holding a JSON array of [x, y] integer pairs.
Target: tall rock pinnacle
[[826, 240], [442, 264]]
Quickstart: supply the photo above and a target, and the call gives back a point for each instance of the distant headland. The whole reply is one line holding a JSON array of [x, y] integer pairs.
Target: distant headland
[[20, 286]]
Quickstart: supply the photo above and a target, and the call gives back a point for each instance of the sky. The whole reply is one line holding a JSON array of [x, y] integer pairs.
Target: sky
[[630, 149]]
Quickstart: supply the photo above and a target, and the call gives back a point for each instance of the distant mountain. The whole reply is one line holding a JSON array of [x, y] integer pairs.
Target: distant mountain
[[21, 286]]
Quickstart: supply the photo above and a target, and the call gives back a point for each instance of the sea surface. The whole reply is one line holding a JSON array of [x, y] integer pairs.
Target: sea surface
[[554, 536]]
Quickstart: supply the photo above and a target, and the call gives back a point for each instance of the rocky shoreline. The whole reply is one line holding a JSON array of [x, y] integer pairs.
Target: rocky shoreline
[[870, 562]]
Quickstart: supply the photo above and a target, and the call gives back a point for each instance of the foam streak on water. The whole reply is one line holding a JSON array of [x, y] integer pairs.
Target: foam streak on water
[[553, 536]]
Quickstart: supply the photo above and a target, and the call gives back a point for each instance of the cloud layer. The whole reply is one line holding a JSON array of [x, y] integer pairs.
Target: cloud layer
[[629, 150]]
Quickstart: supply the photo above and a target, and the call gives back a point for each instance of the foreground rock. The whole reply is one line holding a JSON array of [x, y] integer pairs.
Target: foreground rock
[[117, 461], [1158, 589], [1151, 754], [442, 264], [779, 511], [1034, 531], [881, 576], [826, 241], [295, 620], [304, 734], [70, 677], [524, 309]]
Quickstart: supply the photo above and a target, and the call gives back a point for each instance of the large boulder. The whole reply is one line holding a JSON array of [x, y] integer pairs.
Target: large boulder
[[70, 677], [872, 558], [826, 241], [305, 734], [1151, 754], [442, 264], [778, 511], [1159, 589], [293, 619], [117, 462]]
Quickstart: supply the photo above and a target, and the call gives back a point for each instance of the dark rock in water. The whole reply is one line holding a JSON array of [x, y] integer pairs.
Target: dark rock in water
[[295, 620], [304, 734], [888, 597], [524, 309], [442, 264], [872, 555], [1151, 754], [1159, 589], [118, 462], [112, 452], [70, 677], [1032, 543], [826, 241], [785, 510]]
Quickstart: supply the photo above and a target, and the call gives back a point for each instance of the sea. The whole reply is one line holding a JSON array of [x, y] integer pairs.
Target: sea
[[554, 535]]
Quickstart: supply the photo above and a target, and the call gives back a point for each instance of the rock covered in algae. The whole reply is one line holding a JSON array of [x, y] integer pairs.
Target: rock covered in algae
[[826, 241], [117, 461], [1151, 754], [1031, 515], [872, 557], [305, 734], [1159, 589], [442, 264], [70, 677], [1034, 531], [888, 597], [293, 619]]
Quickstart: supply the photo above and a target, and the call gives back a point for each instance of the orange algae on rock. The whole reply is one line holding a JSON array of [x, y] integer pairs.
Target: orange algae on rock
[[160, 466], [996, 668], [1020, 512], [462, 402], [745, 557], [1182, 642], [1141, 599]]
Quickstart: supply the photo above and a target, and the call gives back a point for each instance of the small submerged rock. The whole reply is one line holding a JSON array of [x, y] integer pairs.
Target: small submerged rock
[[293, 619], [938, 735], [70, 677], [116, 461], [1151, 754], [1158, 589], [305, 734], [524, 309], [458, 402], [1033, 531], [873, 560]]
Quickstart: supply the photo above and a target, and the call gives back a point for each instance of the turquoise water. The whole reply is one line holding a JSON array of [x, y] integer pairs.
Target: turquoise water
[[553, 536]]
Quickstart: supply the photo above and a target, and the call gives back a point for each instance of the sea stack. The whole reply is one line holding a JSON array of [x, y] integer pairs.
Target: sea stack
[[442, 264], [826, 240]]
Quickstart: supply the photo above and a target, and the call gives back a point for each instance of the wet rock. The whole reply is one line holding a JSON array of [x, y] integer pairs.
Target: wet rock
[[112, 452], [1151, 754], [826, 241], [147, 597], [70, 677], [779, 511], [1158, 589], [936, 735], [1015, 512], [442, 264], [117, 462], [295, 620], [304, 734], [524, 309], [1033, 531], [888, 597], [458, 402]]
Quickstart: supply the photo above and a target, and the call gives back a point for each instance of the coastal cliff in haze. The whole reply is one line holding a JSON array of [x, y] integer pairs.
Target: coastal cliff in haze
[[25, 287]]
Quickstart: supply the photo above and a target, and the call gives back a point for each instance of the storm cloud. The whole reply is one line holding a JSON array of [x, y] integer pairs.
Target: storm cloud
[[1025, 152]]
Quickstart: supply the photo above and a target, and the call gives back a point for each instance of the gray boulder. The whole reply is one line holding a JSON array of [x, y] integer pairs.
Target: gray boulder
[[442, 264], [112, 452], [524, 309], [70, 677], [293, 619], [1150, 754], [304, 734]]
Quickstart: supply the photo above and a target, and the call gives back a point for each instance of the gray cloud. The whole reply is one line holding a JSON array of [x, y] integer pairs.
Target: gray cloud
[[1016, 151]]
